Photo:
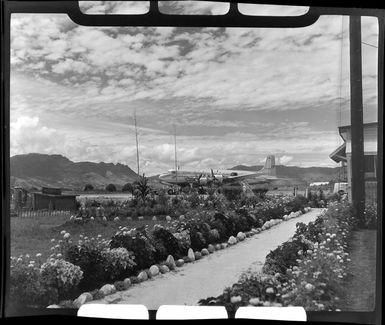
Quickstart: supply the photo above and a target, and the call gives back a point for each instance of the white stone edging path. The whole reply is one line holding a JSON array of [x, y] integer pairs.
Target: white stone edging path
[[209, 276]]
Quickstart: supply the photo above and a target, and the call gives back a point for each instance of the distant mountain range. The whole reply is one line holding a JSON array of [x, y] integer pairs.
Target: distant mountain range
[[300, 174], [38, 170]]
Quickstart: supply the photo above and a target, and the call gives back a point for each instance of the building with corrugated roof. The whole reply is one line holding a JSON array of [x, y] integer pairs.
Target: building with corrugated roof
[[53, 199], [343, 155]]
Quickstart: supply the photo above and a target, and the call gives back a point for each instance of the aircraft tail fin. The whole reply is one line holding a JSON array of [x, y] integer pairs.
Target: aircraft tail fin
[[269, 167]]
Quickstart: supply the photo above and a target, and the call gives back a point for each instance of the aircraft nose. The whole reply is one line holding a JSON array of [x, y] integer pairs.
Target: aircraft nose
[[163, 177]]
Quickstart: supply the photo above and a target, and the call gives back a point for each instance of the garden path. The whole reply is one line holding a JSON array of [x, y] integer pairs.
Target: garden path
[[209, 276]]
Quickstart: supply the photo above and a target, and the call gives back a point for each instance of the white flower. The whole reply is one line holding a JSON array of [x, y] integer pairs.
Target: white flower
[[269, 290], [309, 287], [67, 235], [63, 232], [236, 299]]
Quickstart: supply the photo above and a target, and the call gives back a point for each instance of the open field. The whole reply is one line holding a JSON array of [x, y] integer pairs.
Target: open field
[[33, 235]]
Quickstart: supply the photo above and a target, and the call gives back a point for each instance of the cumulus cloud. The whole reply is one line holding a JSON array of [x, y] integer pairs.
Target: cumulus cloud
[[235, 94], [283, 160], [28, 135], [114, 7]]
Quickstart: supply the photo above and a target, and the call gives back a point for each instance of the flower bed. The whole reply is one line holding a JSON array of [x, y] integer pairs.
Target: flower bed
[[134, 255], [310, 270]]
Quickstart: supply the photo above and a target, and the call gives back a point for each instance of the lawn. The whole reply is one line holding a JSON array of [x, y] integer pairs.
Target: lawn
[[360, 289], [33, 235]]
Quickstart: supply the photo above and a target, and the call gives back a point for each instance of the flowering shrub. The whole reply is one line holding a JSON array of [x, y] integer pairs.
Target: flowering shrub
[[138, 242], [26, 287], [285, 256], [184, 241], [317, 281], [370, 216], [224, 224], [277, 207], [253, 289], [166, 243], [118, 263], [198, 230], [61, 276], [87, 254]]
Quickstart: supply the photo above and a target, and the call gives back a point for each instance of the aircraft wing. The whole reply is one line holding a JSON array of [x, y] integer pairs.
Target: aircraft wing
[[232, 179], [253, 178]]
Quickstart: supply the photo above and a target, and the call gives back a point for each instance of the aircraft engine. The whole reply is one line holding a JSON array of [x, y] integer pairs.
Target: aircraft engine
[[203, 180], [219, 178]]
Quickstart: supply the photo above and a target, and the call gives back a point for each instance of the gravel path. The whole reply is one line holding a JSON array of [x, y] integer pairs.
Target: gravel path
[[210, 275]]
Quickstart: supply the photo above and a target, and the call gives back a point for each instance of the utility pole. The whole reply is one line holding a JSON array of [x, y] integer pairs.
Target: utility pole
[[176, 164], [356, 117], [137, 146]]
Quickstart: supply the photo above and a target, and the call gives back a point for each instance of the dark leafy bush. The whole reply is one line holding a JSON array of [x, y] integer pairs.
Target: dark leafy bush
[[249, 286], [232, 193], [298, 203], [199, 231], [138, 242], [311, 231], [184, 242], [198, 242], [127, 188], [111, 188], [224, 224], [194, 199], [285, 256], [370, 217], [90, 259], [246, 220], [165, 240], [88, 187]]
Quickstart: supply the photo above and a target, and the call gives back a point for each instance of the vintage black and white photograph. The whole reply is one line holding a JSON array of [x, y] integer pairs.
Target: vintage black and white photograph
[[205, 166]]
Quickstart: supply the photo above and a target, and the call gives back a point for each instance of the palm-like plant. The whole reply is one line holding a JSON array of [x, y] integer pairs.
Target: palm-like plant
[[141, 188]]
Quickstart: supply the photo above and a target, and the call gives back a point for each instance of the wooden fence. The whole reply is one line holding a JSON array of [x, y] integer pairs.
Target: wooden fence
[[41, 213]]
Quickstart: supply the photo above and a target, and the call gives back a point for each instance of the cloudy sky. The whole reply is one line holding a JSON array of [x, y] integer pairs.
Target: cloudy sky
[[234, 95]]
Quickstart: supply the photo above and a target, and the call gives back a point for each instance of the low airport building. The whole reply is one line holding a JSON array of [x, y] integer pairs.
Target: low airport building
[[343, 155], [53, 199]]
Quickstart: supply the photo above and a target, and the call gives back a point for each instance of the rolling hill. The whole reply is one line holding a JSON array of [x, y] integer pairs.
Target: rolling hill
[[37, 170]]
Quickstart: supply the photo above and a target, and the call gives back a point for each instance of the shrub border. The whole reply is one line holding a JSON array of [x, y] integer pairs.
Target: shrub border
[[146, 274]]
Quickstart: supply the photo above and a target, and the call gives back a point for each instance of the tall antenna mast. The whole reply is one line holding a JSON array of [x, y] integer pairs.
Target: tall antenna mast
[[176, 164], [137, 146]]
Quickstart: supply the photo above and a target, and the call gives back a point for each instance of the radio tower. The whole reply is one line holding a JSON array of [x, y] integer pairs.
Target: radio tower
[[137, 146], [176, 164]]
